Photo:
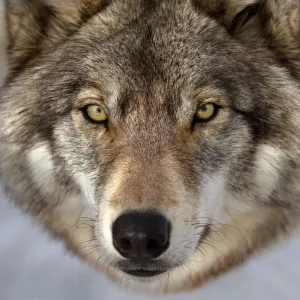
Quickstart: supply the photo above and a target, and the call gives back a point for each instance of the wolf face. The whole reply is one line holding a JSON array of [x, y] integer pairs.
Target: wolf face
[[158, 139]]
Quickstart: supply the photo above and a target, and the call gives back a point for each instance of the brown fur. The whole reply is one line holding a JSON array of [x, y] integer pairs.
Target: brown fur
[[151, 64]]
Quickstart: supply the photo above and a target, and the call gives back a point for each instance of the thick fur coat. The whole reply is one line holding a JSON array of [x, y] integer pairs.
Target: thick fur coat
[[229, 186]]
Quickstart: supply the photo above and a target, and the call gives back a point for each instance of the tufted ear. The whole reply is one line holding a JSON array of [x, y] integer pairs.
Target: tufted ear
[[281, 25], [223, 11], [33, 26], [271, 24]]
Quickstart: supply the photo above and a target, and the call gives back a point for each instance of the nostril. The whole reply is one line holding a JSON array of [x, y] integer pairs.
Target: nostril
[[125, 243], [152, 245], [156, 243]]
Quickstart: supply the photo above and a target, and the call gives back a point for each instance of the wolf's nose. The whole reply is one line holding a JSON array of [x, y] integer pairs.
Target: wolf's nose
[[141, 236]]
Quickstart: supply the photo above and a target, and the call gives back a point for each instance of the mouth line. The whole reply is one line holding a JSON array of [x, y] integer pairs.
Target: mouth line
[[205, 233], [143, 272]]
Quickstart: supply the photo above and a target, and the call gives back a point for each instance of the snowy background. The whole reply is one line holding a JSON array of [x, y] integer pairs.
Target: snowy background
[[33, 267]]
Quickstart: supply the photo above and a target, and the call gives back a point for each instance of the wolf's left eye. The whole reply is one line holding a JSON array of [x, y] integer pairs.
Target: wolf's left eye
[[206, 112], [95, 113]]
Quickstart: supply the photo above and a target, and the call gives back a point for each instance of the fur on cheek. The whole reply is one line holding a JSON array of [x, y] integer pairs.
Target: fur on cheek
[[269, 162]]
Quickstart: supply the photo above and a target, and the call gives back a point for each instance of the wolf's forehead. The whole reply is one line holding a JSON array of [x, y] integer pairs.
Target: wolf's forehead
[[161, 53], [167, 40]]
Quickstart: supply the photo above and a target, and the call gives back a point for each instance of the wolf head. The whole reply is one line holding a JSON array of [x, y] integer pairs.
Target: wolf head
[[158, 139]]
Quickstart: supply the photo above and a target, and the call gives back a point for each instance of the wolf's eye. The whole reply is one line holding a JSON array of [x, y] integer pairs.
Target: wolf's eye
[[206, 112], [95, 113]]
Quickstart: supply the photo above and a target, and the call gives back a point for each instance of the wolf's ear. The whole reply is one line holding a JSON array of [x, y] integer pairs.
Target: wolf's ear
[[279, 22], [26, 23], [33, 26], [274, 24], [271, 24], [281, 26], [223, 11]]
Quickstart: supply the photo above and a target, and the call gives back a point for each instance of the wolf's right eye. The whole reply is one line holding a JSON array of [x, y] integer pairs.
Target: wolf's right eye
[[206, 112], [95, 113]]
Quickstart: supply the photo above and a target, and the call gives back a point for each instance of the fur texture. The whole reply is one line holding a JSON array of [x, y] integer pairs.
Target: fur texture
[[230, 187]]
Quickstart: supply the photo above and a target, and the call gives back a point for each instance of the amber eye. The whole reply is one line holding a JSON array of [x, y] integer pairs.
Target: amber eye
[[96, 113], [206, 112]]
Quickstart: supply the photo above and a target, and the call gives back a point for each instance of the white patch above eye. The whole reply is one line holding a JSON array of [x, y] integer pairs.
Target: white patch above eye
[[41, 165], [268, 162]]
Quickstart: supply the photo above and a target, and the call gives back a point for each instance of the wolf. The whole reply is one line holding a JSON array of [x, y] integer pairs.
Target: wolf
[[158, 139]]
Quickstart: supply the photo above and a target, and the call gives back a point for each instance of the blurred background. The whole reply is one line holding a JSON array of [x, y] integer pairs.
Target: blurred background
[[34, 267]]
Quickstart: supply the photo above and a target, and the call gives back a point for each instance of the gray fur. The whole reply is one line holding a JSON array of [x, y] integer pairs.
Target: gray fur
[[152, 63]]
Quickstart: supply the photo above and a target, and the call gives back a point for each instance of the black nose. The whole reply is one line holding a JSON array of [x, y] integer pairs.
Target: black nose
[[141, 236]]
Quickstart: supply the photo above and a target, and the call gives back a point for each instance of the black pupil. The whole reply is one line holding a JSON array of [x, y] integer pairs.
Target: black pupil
[[204, 108]]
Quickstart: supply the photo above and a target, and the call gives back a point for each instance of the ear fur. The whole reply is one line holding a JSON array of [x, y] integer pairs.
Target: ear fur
[[281, 25], [272, 24], [33, 26], [26, 24]]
